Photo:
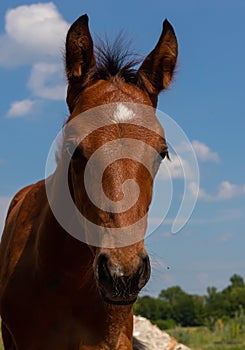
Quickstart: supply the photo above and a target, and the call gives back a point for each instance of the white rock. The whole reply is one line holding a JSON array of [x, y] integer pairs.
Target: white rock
[[153, 338]]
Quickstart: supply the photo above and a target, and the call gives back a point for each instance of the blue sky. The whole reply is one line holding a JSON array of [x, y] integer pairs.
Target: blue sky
[[206, 100]]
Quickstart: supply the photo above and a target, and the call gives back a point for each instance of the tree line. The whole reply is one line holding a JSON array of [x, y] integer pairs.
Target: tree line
[[174, 306]]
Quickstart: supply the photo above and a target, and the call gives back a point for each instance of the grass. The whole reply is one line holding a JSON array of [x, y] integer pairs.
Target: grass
[[197, 339], [201, 338]]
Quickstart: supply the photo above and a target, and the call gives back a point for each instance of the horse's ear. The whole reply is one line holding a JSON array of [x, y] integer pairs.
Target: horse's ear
[[79, 49], [157, 69]]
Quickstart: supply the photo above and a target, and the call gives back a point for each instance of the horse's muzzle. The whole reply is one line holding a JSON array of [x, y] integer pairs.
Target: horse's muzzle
[[117, 288]]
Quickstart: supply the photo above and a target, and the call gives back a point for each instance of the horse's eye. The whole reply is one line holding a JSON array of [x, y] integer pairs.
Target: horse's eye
[[163, 154], [74, 150]]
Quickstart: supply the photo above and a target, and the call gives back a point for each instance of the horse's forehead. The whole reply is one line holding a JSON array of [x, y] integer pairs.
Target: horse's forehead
[[106, 92], [116, 120], [104, 107]]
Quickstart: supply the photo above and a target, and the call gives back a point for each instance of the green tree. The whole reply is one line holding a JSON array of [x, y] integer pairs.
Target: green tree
[[215, 304], [175, 306], [234, 296], [186, 310], [212, 294], [199, 310], [152, 308], [172, 294], [237, 281]]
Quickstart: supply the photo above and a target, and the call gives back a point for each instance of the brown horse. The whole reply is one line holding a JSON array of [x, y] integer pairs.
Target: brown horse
[[57, 292]]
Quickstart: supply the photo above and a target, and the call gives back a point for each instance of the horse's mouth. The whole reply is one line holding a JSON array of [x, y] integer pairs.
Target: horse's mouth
[[117, 300]]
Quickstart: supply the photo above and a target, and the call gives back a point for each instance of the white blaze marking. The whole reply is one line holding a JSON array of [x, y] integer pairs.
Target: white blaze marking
[[123, 114]]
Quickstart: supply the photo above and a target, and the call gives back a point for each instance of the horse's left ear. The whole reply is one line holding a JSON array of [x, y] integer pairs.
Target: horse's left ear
[[157, 69], [79, 49]]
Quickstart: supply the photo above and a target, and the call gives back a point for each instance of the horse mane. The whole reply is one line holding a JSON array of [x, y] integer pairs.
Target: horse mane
[[116, 59]]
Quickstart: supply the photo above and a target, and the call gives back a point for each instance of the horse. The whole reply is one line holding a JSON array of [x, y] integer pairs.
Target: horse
[[58, 291]]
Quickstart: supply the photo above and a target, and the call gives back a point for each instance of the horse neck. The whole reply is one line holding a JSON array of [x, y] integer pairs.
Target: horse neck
[[66, 265], [58, 251], [69, 264]]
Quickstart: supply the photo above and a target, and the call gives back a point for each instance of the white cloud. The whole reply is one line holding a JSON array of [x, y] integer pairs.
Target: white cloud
[[32, 33], [46, 81], [181, 165], [228, 190], [4, 204], [227, 236], [204, 153], [176, 168], [166, 234], [35, 35], [225, 191], [195, 190], [158, 263], [22, 108]]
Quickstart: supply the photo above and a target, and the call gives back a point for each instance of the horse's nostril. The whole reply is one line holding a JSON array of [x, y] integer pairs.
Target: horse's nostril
[[103, 268], [144, 272], [117, 287]]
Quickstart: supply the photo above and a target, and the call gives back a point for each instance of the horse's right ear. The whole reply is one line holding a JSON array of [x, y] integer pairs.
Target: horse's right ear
[[79, 50]]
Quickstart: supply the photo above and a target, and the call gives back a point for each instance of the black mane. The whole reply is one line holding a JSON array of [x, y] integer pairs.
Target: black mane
[[116, 59]]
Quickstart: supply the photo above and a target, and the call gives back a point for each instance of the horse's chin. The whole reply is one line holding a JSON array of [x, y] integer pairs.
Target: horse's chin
[[116, 301]]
